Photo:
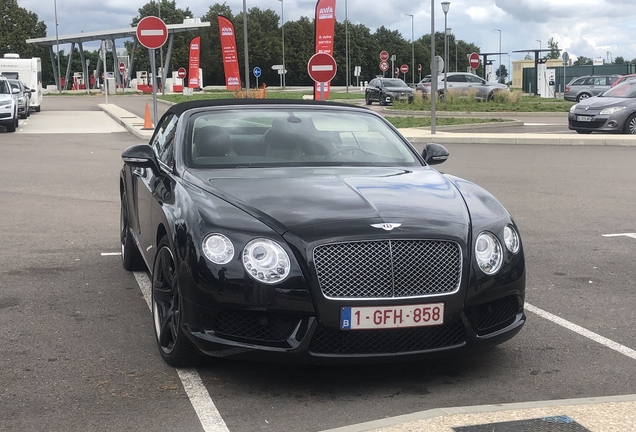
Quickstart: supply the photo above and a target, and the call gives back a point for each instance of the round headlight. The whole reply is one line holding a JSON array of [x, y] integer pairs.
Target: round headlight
[[266, 261], [511, 239], [488, 253], [218, 249]]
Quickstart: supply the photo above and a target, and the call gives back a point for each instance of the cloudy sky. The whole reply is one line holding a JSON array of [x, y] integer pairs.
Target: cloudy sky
[[592, 28]]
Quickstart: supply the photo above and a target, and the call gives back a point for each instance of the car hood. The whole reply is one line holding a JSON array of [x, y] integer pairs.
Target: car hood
[[290, 198], [398, 89], [597, 103], [4, 96]]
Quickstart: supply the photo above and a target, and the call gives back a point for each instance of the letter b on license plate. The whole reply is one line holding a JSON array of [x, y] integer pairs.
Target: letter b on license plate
[[366, 318]]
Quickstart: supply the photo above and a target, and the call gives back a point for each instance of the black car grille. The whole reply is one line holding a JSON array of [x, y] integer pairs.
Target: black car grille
[[255, 325], [387, 341], [594, 124], [388, 268], [495, 314]]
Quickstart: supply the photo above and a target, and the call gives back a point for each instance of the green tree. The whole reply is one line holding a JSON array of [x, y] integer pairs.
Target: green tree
[[582, 61], [211, 54], [17, 25], [501, 73], [619, 60], [554, 50]]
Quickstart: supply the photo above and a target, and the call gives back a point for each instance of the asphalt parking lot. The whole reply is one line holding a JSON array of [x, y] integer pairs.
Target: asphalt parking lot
[[78, 350]]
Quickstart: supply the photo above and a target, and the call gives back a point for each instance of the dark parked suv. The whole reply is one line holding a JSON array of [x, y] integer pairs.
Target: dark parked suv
[[587, 86], [387, 90]]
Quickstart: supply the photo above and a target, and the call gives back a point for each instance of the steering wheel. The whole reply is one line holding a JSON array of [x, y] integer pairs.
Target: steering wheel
[[345, 149]]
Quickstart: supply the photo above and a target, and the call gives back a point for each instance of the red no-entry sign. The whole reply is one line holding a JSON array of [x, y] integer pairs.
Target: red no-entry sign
[[152, 32], [384, 56], [473, 60], [322, 67], [122, 67], [404, 68], [419, 68], [181, 73]]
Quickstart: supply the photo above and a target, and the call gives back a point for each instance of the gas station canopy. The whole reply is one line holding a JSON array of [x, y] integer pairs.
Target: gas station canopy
[[189, 24]]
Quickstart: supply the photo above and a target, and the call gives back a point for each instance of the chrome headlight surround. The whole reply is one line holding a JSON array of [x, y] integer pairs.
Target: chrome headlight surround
[[488, 253], [511, 239], [218, 248], [612, 110], [266, 261]]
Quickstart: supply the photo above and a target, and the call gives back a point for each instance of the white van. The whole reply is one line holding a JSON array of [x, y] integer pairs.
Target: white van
[[29, 71]]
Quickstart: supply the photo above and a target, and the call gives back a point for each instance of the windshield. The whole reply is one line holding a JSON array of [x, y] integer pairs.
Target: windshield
[[282, 136], [393, 83], [624, 90], [4, 87]]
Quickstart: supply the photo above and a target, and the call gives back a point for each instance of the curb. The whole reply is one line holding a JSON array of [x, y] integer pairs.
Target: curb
[[439, 412], [128, 120], [476, 114]]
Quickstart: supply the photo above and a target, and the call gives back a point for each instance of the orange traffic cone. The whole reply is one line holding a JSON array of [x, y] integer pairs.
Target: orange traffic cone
[[147, 121]]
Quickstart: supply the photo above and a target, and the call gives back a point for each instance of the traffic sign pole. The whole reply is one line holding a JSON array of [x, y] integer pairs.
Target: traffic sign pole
[[152, 33]]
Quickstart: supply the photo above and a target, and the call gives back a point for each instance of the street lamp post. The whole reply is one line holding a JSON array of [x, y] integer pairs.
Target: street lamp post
[[347, 46], [539, 43], [57, 41], [282, 26], [500, 71], [412, 49], [455, 54], [247, 57], [445, 7], [433, 69]]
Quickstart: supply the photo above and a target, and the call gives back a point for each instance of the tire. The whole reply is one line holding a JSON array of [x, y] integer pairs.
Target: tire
[[382, 100], [23, 116], [14, 125], [583, 132], [582, 96], [37, 108], [441, 96], [630, 125], [130, 255], [174, 346], [367, 100]]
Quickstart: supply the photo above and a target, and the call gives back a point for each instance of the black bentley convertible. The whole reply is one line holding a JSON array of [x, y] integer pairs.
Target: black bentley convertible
[[315, 232]]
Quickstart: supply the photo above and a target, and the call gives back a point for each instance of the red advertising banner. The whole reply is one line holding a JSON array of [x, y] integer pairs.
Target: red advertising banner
[[230, 57], [325, 22], [194, 62]]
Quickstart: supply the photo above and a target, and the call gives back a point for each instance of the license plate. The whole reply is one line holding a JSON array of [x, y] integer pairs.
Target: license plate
[[365, 318], [584, 118]]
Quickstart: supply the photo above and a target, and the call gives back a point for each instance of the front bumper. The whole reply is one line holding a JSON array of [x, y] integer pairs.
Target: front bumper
[[598, 123], [288, 336]]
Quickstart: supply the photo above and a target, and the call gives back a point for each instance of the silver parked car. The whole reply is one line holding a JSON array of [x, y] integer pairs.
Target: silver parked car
[[24, 98], [8, 105], [465, 82], [587, 86], [614, 111]]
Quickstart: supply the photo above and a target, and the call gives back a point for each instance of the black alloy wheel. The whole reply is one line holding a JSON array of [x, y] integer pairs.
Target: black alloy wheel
[[367, 99], [630, 124], [174, 346], [130, 255]]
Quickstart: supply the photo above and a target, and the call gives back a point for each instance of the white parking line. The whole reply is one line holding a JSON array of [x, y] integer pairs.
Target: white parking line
[[582, 331], [209, 416], [632, 235], [111, 253]]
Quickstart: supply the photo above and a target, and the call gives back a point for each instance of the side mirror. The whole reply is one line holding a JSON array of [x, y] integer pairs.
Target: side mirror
[[15, 90], [140, 156], [33, 91], [435, 154], [600, 94]]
